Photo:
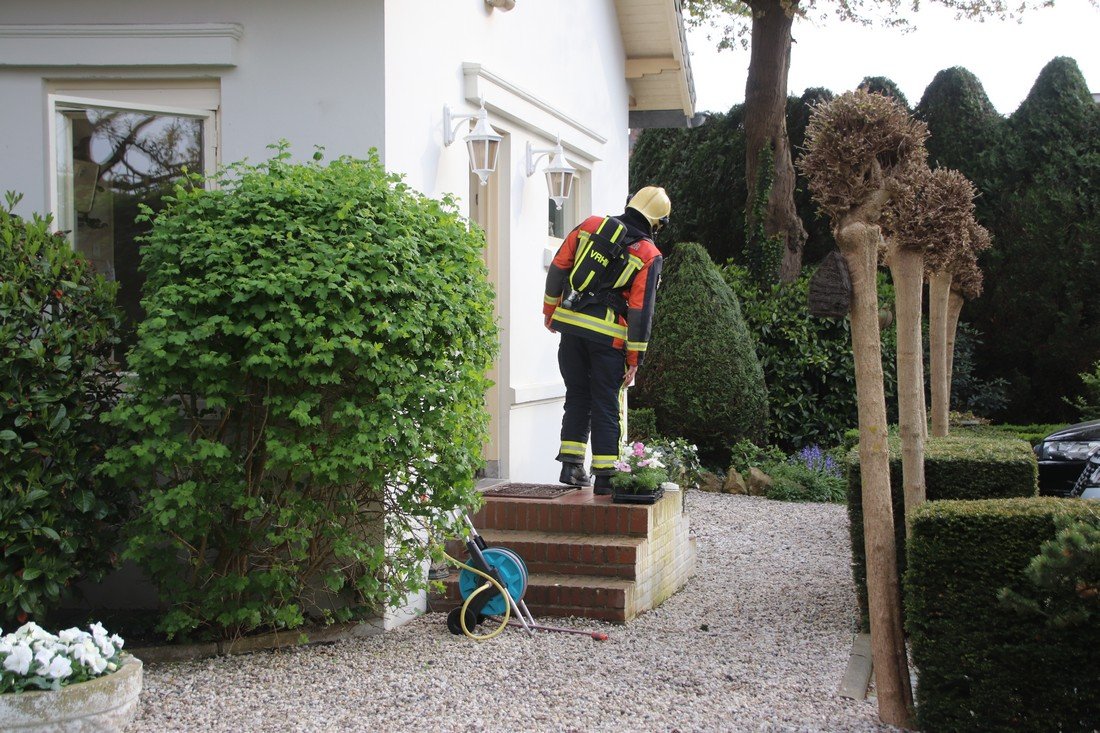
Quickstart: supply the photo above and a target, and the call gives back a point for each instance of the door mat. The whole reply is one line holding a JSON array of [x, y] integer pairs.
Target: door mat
[[529, 491]]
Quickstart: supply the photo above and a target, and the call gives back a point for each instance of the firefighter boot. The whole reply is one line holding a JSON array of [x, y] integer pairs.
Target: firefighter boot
[[574, 475], [603, 486]]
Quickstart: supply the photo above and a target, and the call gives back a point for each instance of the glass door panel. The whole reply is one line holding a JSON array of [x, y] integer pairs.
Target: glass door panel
[[109, 161]]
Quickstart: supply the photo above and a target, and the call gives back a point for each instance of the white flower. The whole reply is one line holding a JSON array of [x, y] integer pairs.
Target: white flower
[[98, 631], [19, 661], [59, 668], [31, 631], [117, 641], [44, 656], [68, 636]]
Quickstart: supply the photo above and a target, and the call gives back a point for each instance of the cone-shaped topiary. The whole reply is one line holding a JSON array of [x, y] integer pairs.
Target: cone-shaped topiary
[[963, 124], [701, 374]]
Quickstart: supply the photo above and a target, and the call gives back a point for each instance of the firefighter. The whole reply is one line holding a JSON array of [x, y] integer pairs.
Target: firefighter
[[600, 291]]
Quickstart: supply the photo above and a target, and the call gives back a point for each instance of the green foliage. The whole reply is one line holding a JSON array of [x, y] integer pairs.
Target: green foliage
[[681, 459], [819, 231], [1032, 434], [1088, 404], [1064, 576], [745, 454], [641, 425], [703, 170], [886, 87], [807, 361], [984, 666], [964, 128], [1046, 227], [58, 326], [763, 253], [308, 391], [701, 375], [969, 391], [797, 482], [955, 467]]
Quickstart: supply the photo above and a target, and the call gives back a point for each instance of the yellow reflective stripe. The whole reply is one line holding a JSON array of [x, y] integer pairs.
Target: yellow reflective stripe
[[618, 231], [587, 280], [551, 299], [604, 461], [572, 447], [602, 225], [627, 272], [636, 345], [591, 323], [636, 261]]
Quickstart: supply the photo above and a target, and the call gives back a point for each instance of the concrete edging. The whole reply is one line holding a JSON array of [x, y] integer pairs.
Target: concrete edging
[[263, 642]]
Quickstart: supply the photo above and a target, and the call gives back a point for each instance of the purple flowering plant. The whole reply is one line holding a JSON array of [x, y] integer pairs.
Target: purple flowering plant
[[817, 460], [639, 469]]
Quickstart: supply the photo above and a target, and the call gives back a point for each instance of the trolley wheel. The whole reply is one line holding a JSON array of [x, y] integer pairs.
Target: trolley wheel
[[455, 625]]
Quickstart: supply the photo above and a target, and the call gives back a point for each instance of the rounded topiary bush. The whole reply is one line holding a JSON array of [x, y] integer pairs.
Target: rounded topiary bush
[[309, 388], [701, 374], [58, 329]]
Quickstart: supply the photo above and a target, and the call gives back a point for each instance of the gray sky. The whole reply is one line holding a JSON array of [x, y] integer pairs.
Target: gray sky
[[1006, 56]]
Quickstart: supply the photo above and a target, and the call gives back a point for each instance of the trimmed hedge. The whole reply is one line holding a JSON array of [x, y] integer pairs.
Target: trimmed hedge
[[955, 467], [984, 666]]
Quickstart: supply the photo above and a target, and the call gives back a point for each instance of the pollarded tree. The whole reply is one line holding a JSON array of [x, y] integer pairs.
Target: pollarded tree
[[858, 147], [951, 282], [769, 24], [928, 221]]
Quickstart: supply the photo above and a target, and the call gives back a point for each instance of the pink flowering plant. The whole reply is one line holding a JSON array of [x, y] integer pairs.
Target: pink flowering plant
[[32, 658], [639, 469]]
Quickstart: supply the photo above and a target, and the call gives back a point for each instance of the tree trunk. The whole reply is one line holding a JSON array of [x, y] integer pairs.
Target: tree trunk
[[907, 271], [766, 124], [859, 243], [954, 308], [939, 290]]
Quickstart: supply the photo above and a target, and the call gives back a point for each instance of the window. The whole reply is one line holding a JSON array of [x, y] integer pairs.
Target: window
[[110, 158], [560, 222]]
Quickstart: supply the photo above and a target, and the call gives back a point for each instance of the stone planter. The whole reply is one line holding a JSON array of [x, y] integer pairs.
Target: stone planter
[[106, 703]]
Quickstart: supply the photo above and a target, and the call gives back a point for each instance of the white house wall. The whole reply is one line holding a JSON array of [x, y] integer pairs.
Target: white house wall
[[354, 74], [546, 68], [310, 73]]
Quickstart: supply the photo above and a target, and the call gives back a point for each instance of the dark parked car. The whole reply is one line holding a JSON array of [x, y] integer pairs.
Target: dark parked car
[[1088, 486], [1062, 456]]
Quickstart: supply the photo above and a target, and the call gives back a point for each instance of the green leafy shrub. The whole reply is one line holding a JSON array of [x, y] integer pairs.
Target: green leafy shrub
[[955, 467], [307, 403], [641, 425], [745, 454], [681, 459], [811, 474], [59, 521], [807, 362], [982, 665], [701, 376]]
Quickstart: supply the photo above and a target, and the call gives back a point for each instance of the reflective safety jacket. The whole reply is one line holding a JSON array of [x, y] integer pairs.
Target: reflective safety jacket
[[631, 283]]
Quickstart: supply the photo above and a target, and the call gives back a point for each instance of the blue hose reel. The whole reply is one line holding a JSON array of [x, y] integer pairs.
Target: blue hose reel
[[505, 566]]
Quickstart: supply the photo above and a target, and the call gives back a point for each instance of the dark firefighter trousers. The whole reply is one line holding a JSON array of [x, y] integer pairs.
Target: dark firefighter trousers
[[593, 374]]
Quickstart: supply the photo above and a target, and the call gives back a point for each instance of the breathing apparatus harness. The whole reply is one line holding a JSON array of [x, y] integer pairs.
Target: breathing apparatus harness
[[599, 264]]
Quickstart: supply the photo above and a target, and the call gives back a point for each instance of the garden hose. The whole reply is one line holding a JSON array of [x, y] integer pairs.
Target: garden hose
[[490, 582]]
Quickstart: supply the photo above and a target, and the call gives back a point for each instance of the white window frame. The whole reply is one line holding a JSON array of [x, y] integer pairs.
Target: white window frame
[[62, 102]]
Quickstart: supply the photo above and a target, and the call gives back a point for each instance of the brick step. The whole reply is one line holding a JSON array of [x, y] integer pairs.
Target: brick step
[[574, 514], [584, 596], [554, 553]]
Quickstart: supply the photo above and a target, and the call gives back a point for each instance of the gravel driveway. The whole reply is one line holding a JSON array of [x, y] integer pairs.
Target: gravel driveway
[[758, 640]]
